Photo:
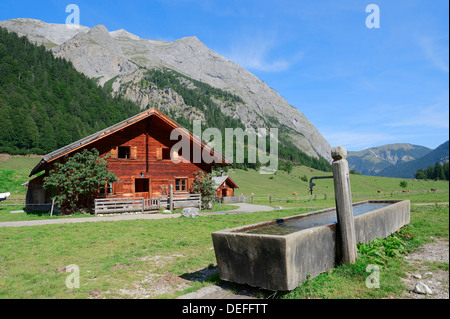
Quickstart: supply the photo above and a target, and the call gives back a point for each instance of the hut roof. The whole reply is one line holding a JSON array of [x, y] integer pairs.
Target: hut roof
[[219, 180]]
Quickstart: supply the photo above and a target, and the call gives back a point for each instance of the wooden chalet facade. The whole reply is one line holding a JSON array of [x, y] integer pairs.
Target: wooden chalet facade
[[139, 149]]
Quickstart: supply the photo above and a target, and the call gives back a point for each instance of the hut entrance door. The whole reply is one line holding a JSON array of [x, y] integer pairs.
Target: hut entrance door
[[142, 187]]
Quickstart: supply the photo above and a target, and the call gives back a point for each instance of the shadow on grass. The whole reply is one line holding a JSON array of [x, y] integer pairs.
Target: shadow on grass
[[211, 275], [46, 214]]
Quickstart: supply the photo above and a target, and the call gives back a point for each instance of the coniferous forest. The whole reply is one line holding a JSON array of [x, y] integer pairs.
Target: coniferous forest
[[437, 172], [45, 103]]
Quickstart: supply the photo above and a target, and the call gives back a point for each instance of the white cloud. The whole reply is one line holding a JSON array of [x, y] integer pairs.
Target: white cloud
[[356, 139], [434, 116], [256, 53], [436, 52], [423, 126]]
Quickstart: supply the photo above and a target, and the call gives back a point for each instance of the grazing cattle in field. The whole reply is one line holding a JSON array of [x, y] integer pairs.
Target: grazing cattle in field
[[378, 191], [405, 191], [433, 190], [294, 193]]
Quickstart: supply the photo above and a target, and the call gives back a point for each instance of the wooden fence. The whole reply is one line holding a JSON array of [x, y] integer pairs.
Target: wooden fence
[[306, 198], [13, 202], [121, 205], [234, 199], [181, 201]]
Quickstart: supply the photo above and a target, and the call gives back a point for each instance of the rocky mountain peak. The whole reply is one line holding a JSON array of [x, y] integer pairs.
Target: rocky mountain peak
[[123, 34], [99, 29], [120, 55]]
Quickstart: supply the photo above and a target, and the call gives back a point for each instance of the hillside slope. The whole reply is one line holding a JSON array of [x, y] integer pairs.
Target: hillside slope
[[121, 59], [284, 184]]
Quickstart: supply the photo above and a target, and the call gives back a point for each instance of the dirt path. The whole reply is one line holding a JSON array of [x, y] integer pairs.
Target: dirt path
[[241, 209], [427, 269]]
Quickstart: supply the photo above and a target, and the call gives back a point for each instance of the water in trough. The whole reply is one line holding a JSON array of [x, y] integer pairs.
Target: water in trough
[[283, 227]]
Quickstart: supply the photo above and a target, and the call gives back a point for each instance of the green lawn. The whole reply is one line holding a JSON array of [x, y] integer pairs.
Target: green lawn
[[121, 255], [19, 162], [277, 190], [110, 255], [284, 184], [113, 256]]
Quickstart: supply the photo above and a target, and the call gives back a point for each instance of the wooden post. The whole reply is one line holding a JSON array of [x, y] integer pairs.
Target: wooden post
[[171, 198], [53, 205], [343, 197]]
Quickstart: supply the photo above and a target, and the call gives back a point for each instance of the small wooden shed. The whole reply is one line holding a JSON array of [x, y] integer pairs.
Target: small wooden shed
[[224, 186]]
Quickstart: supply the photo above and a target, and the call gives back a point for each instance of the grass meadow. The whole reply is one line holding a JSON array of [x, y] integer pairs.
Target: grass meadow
[[114, 257], [128, 259]]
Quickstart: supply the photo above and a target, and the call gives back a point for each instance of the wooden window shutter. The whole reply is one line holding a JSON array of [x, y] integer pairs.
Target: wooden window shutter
[[114, 152], [159, 153], [133, 152]]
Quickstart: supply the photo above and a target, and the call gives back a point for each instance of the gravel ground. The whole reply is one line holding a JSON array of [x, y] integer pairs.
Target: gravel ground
[[240, 209], [425, 272]]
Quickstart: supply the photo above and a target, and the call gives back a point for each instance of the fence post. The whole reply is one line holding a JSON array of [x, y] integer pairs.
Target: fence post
[[344, 207], [171, 198], [53, 205]]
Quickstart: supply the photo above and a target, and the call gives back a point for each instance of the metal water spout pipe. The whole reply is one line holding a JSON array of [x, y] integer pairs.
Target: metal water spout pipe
[[311, 185]]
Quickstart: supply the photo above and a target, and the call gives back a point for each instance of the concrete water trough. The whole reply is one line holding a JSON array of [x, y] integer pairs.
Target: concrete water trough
[[279, 255]]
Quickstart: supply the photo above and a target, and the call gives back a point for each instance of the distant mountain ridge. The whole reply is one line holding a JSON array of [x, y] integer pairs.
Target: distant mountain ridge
[[121, 60], [373, 161], [409, 169]]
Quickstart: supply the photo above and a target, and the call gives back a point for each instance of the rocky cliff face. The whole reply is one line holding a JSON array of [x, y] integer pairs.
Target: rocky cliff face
[[122, 58]]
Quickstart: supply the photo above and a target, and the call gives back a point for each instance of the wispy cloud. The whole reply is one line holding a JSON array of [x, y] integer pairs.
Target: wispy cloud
[[426, 125], [356, 139], [435, 51], [423, 117], [256, 52]]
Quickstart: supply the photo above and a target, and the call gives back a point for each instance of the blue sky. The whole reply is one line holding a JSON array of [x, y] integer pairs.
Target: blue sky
[[360, 87]]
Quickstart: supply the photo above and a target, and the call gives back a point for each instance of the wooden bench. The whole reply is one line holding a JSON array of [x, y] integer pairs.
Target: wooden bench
[[119, 205], [182, 201]]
